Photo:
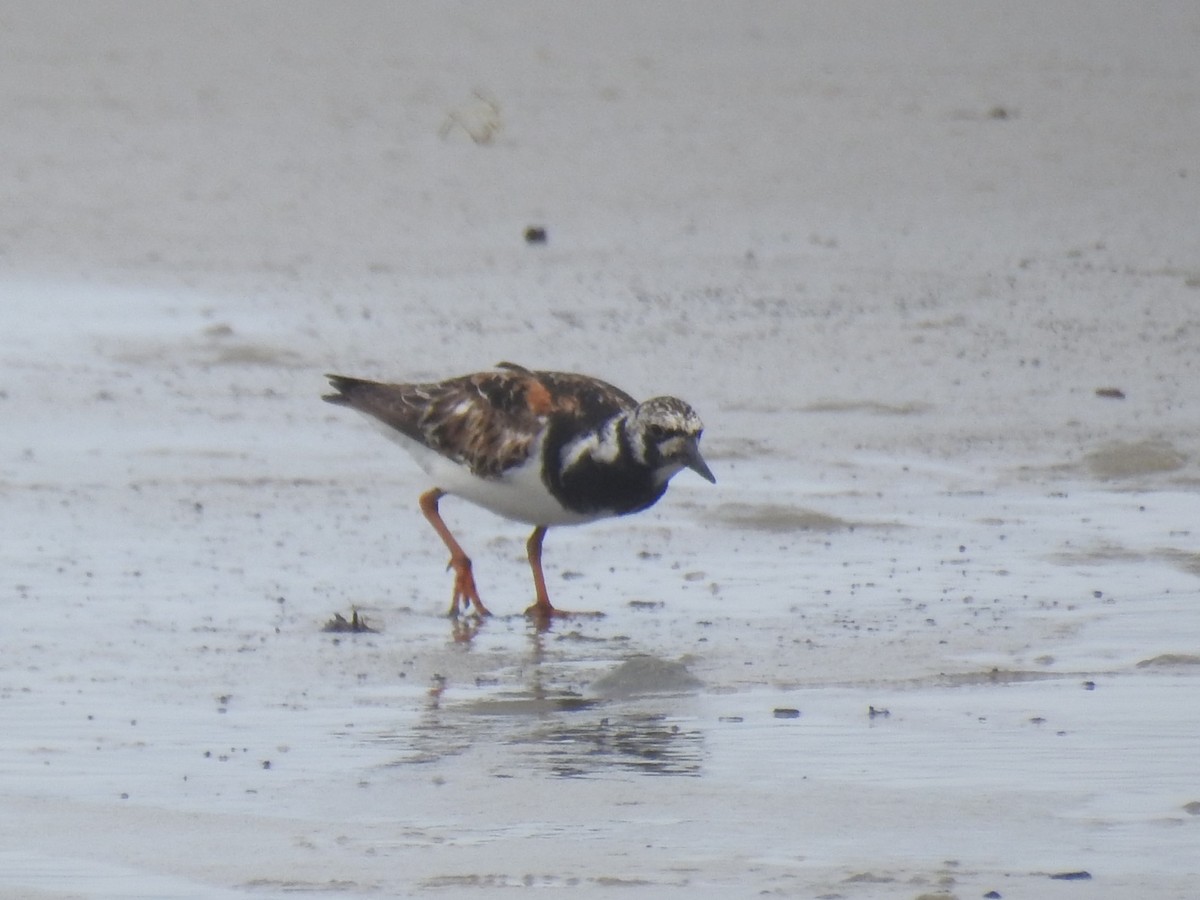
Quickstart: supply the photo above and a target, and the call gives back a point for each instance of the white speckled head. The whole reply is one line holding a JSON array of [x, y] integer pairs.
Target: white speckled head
[[665, 433]]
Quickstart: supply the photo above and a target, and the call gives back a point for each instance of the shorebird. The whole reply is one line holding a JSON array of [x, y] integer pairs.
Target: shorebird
[[543, 448]]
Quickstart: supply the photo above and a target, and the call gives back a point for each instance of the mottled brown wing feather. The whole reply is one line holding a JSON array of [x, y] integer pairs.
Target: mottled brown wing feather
[[488, 421], [587, 399], [483, 421]]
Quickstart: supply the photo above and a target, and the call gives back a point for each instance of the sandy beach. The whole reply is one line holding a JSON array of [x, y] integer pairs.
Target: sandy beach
[[929, 272]]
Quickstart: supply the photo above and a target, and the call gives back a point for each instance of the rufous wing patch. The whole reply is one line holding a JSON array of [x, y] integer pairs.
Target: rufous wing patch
[[537, 395]]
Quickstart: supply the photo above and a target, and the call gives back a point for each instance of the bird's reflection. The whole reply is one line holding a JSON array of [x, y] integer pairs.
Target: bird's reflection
[[541, 724]]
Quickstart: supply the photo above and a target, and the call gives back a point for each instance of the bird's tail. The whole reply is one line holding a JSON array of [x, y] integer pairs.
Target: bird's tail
[[346, 388]]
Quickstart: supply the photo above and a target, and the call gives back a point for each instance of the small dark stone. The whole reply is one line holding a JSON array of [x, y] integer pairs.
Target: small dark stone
[[1089, 685], [535, 234], [646, 604], [784, 712], [1072, 876], [992, 895], [1110, 393]]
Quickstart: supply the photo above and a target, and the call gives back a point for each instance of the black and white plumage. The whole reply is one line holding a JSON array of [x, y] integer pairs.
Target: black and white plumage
[[543, 448]]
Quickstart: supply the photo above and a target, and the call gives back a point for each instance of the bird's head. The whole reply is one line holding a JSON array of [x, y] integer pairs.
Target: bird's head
[[665, 435]]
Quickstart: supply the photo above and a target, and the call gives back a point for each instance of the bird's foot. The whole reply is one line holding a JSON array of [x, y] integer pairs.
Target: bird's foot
[[466, 594], [543, 614]]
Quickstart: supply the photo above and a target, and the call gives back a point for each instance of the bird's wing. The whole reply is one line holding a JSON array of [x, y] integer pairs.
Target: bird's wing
[[488, 421]]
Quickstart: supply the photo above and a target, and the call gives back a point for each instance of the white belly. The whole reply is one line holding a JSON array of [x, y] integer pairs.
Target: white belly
[[519, 494]]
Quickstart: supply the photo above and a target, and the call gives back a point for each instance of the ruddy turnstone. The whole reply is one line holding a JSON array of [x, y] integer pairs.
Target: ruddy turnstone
[[543, 448]]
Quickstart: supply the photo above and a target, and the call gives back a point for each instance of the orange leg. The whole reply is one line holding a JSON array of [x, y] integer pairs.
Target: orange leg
[[542, 609], [465, 592]]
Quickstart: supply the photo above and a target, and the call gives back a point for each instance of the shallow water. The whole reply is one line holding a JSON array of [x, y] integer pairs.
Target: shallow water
[[966, 722]]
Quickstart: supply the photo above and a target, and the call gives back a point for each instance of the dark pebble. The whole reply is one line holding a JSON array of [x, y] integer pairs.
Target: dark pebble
[[1072, 876], [783, 712], [535, 234], [992, 895]]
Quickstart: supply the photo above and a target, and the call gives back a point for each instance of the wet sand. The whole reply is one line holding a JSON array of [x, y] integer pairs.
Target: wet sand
[[928, 274]]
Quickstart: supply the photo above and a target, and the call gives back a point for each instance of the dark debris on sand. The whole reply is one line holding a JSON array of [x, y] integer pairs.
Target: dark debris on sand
[[356, 624]]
